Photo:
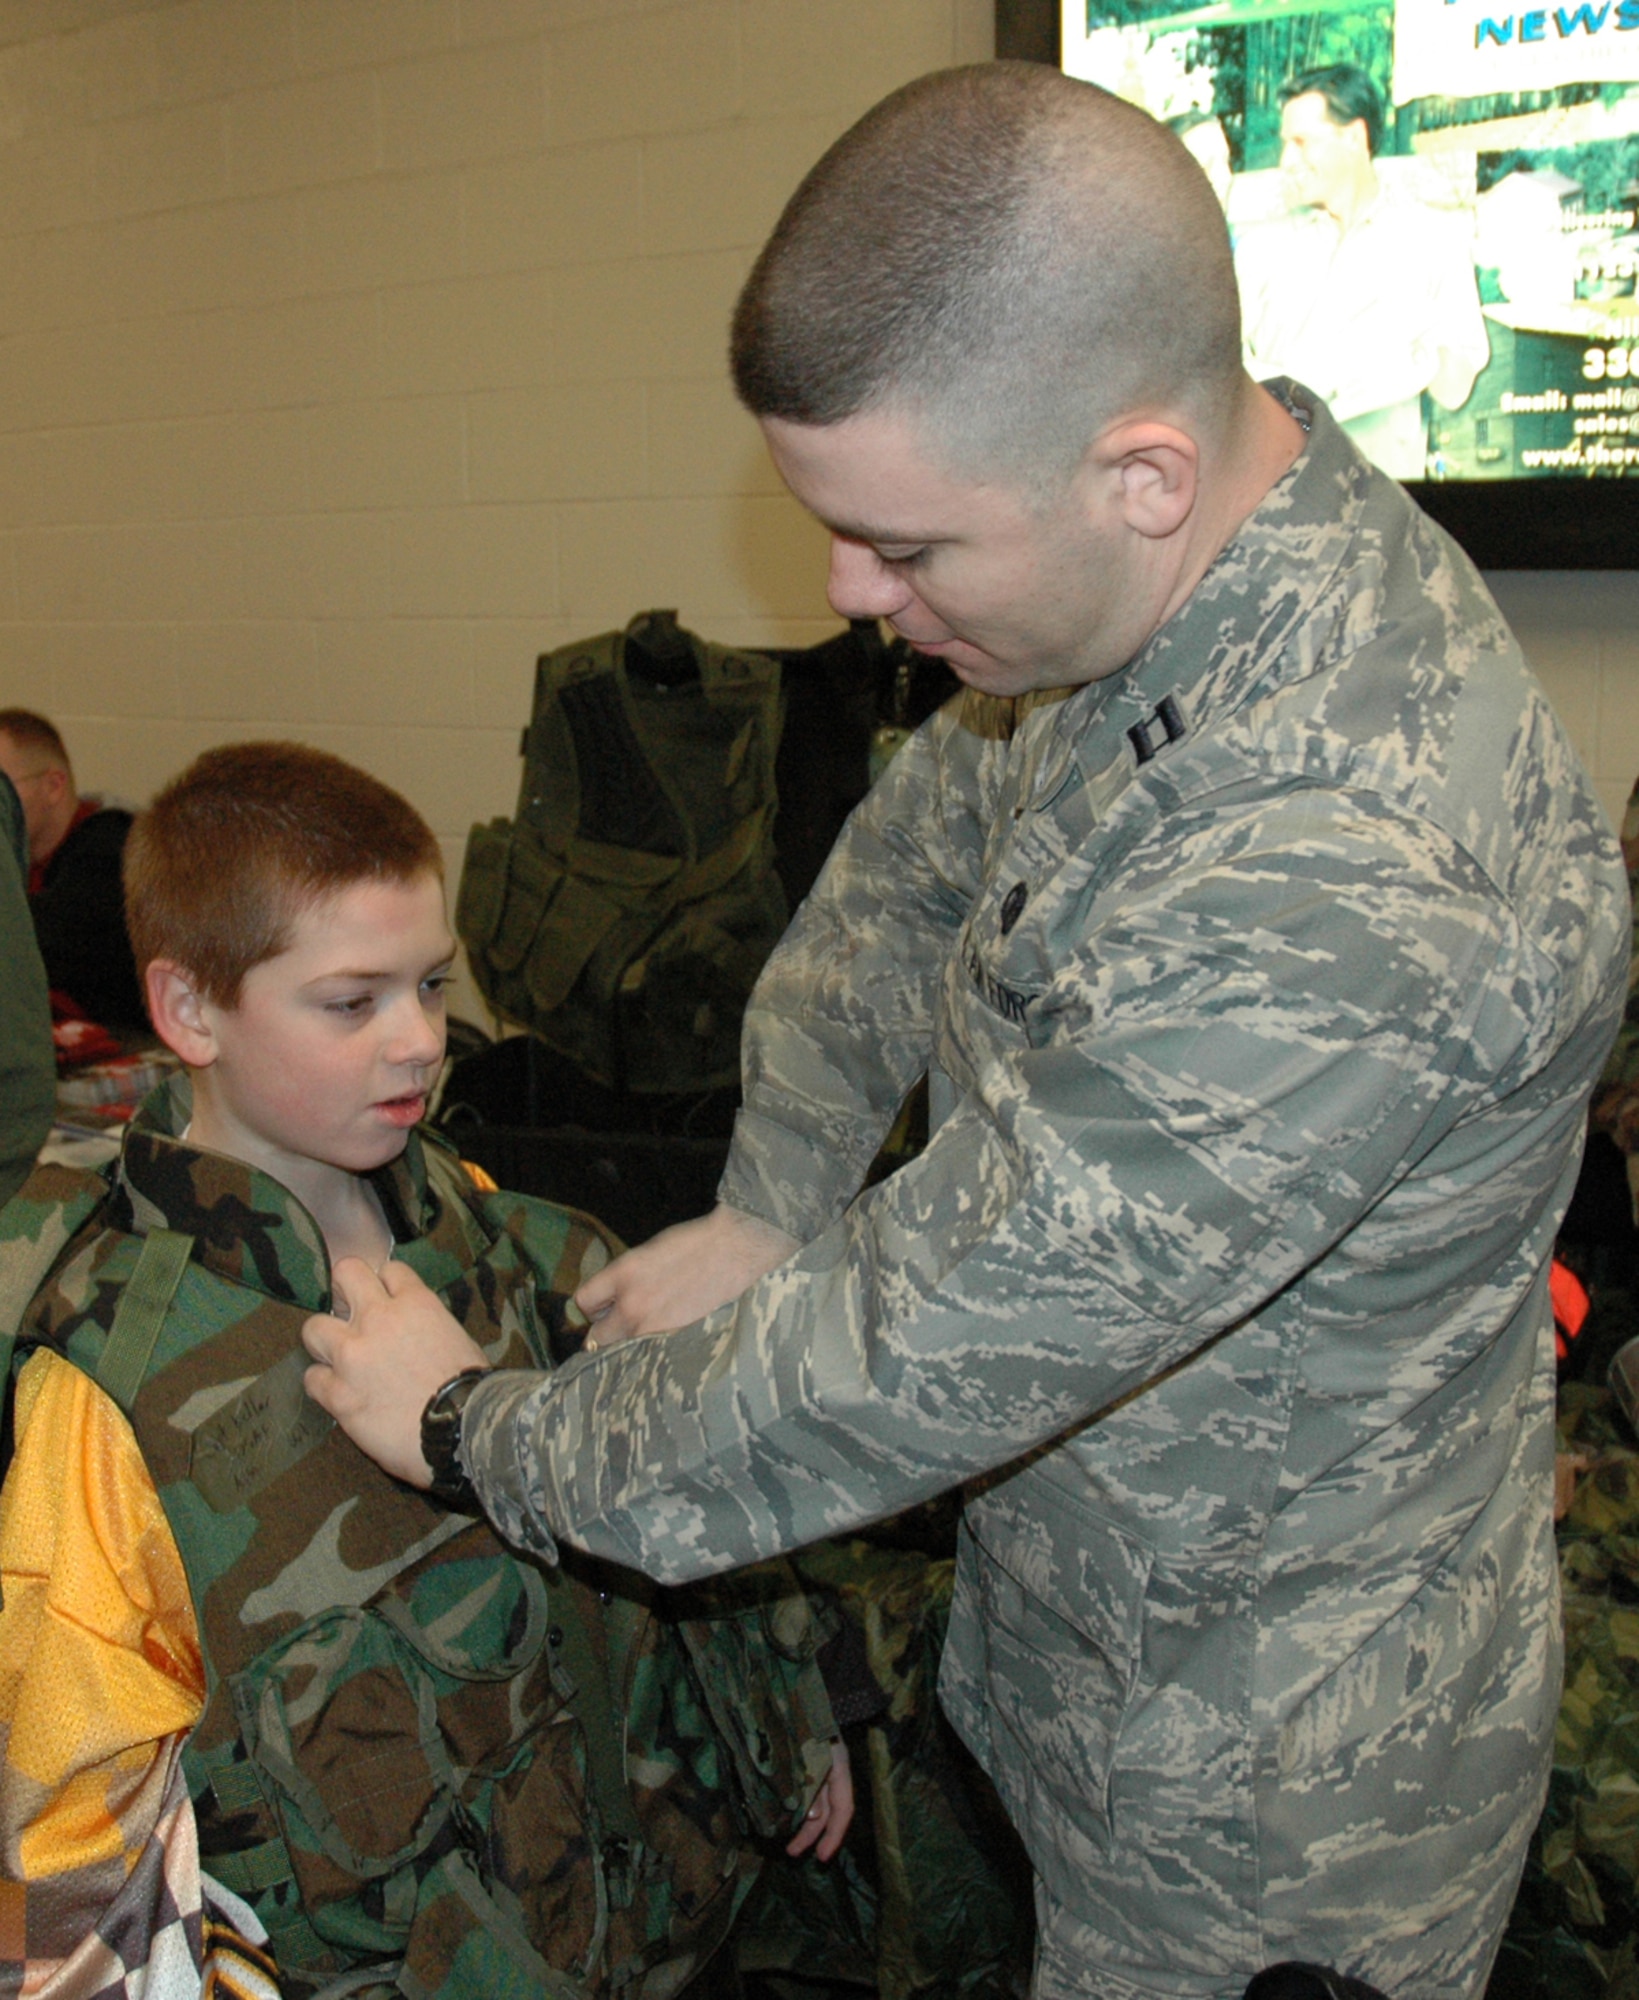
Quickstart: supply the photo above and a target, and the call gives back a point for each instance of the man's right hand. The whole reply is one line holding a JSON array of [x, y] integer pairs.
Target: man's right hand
[[681, 1274]]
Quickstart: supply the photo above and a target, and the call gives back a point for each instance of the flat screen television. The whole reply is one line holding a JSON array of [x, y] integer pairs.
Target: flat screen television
[[1441, 236]]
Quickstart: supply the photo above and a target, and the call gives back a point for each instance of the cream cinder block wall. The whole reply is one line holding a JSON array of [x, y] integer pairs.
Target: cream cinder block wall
[[1580, 630], [353, 352]]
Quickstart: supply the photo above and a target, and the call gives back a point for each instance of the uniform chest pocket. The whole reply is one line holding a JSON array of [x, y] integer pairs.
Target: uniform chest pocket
[[1063, 1634]]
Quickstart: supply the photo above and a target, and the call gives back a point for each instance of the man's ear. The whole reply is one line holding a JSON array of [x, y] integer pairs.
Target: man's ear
[[181, 1016], [1155, 467]]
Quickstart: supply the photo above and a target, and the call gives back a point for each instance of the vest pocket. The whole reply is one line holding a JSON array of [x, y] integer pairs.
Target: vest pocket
[[391, 1736], [530, 883], [342, 1721], [482, 891]]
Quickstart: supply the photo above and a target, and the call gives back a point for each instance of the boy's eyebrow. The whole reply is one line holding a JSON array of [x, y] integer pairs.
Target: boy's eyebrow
[[345, 972]]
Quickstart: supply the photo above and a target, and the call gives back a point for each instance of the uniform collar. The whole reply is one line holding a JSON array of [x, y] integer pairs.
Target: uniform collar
[[1228, 639], [247, 1227]]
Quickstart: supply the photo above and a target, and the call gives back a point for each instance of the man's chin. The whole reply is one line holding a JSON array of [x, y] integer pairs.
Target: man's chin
[[971, 666], [985, 675]]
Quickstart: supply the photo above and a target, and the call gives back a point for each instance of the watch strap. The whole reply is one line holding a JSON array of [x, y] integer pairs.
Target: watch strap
[[441, 1441]]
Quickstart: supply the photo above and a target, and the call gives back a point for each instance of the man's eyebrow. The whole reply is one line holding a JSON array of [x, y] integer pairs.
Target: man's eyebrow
[[859, 531]]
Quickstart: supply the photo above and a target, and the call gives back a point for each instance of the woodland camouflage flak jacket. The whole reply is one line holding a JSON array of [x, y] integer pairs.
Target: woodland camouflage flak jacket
[[418, 1752]]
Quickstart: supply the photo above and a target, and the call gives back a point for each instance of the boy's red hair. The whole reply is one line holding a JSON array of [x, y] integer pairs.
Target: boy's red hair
[[231, 852]]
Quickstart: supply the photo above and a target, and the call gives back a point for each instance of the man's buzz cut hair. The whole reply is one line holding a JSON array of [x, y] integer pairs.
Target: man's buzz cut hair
[[33, 732], [229, 855], [1013, 257]]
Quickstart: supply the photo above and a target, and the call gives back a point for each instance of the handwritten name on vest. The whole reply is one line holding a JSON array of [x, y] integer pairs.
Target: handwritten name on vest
[[268, 1427]]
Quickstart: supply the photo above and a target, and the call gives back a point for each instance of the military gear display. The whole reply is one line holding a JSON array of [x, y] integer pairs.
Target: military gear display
[[625, 910], [1574, 1931], [847, 700], [534, 1121], [567, 1116], [420, 1756]]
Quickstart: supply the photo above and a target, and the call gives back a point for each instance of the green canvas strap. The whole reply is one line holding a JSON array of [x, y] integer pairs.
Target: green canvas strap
[[141, 1313], [594, 1671], [237, 1788], [253, 1869]]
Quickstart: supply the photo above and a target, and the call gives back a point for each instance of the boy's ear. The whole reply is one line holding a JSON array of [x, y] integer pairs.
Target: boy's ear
[[181, 1018]]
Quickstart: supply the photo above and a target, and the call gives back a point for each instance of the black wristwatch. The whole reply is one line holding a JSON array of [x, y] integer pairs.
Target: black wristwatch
[[441, 1441]]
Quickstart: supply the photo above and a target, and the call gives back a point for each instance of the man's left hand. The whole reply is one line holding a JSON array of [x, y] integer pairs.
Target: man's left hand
[[378, 1367]]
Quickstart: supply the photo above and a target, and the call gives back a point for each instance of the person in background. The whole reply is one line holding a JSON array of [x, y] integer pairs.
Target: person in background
[[27, 1072], [75, 845], [1363, 292]]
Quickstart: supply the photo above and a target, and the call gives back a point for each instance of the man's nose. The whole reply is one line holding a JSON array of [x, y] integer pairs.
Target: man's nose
[[861, 584]]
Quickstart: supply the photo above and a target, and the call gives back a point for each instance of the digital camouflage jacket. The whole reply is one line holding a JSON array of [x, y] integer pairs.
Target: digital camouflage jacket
[[1261, 987], [419, 1752]]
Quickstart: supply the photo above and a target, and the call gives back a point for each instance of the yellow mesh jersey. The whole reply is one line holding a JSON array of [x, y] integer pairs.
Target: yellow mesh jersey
[[99, 1651]]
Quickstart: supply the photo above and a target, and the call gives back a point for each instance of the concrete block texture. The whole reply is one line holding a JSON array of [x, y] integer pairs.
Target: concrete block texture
[[360, 350]]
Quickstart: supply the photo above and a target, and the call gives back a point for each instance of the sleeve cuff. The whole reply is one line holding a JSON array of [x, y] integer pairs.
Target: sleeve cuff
[[494, 1453], [782, 1178]]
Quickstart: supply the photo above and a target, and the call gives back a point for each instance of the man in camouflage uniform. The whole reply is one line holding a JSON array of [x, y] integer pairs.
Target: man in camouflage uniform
[[1261, 982]]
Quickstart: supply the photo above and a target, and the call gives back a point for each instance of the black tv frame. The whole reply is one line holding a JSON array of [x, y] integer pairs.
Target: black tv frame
[[1564, 523]]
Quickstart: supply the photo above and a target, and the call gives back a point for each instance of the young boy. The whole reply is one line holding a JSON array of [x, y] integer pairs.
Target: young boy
[[425, 1765]]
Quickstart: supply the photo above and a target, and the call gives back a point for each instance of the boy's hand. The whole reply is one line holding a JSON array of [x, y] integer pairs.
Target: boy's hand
[[681, 1275], [828, 1818], [378, 1367]]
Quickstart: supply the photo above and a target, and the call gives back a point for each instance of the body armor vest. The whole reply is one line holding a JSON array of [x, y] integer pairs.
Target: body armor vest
[[624, 913], [413, 1753]]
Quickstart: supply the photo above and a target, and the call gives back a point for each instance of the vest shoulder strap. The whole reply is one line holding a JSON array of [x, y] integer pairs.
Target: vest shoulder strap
[[141, 1312], [592, 1664]]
